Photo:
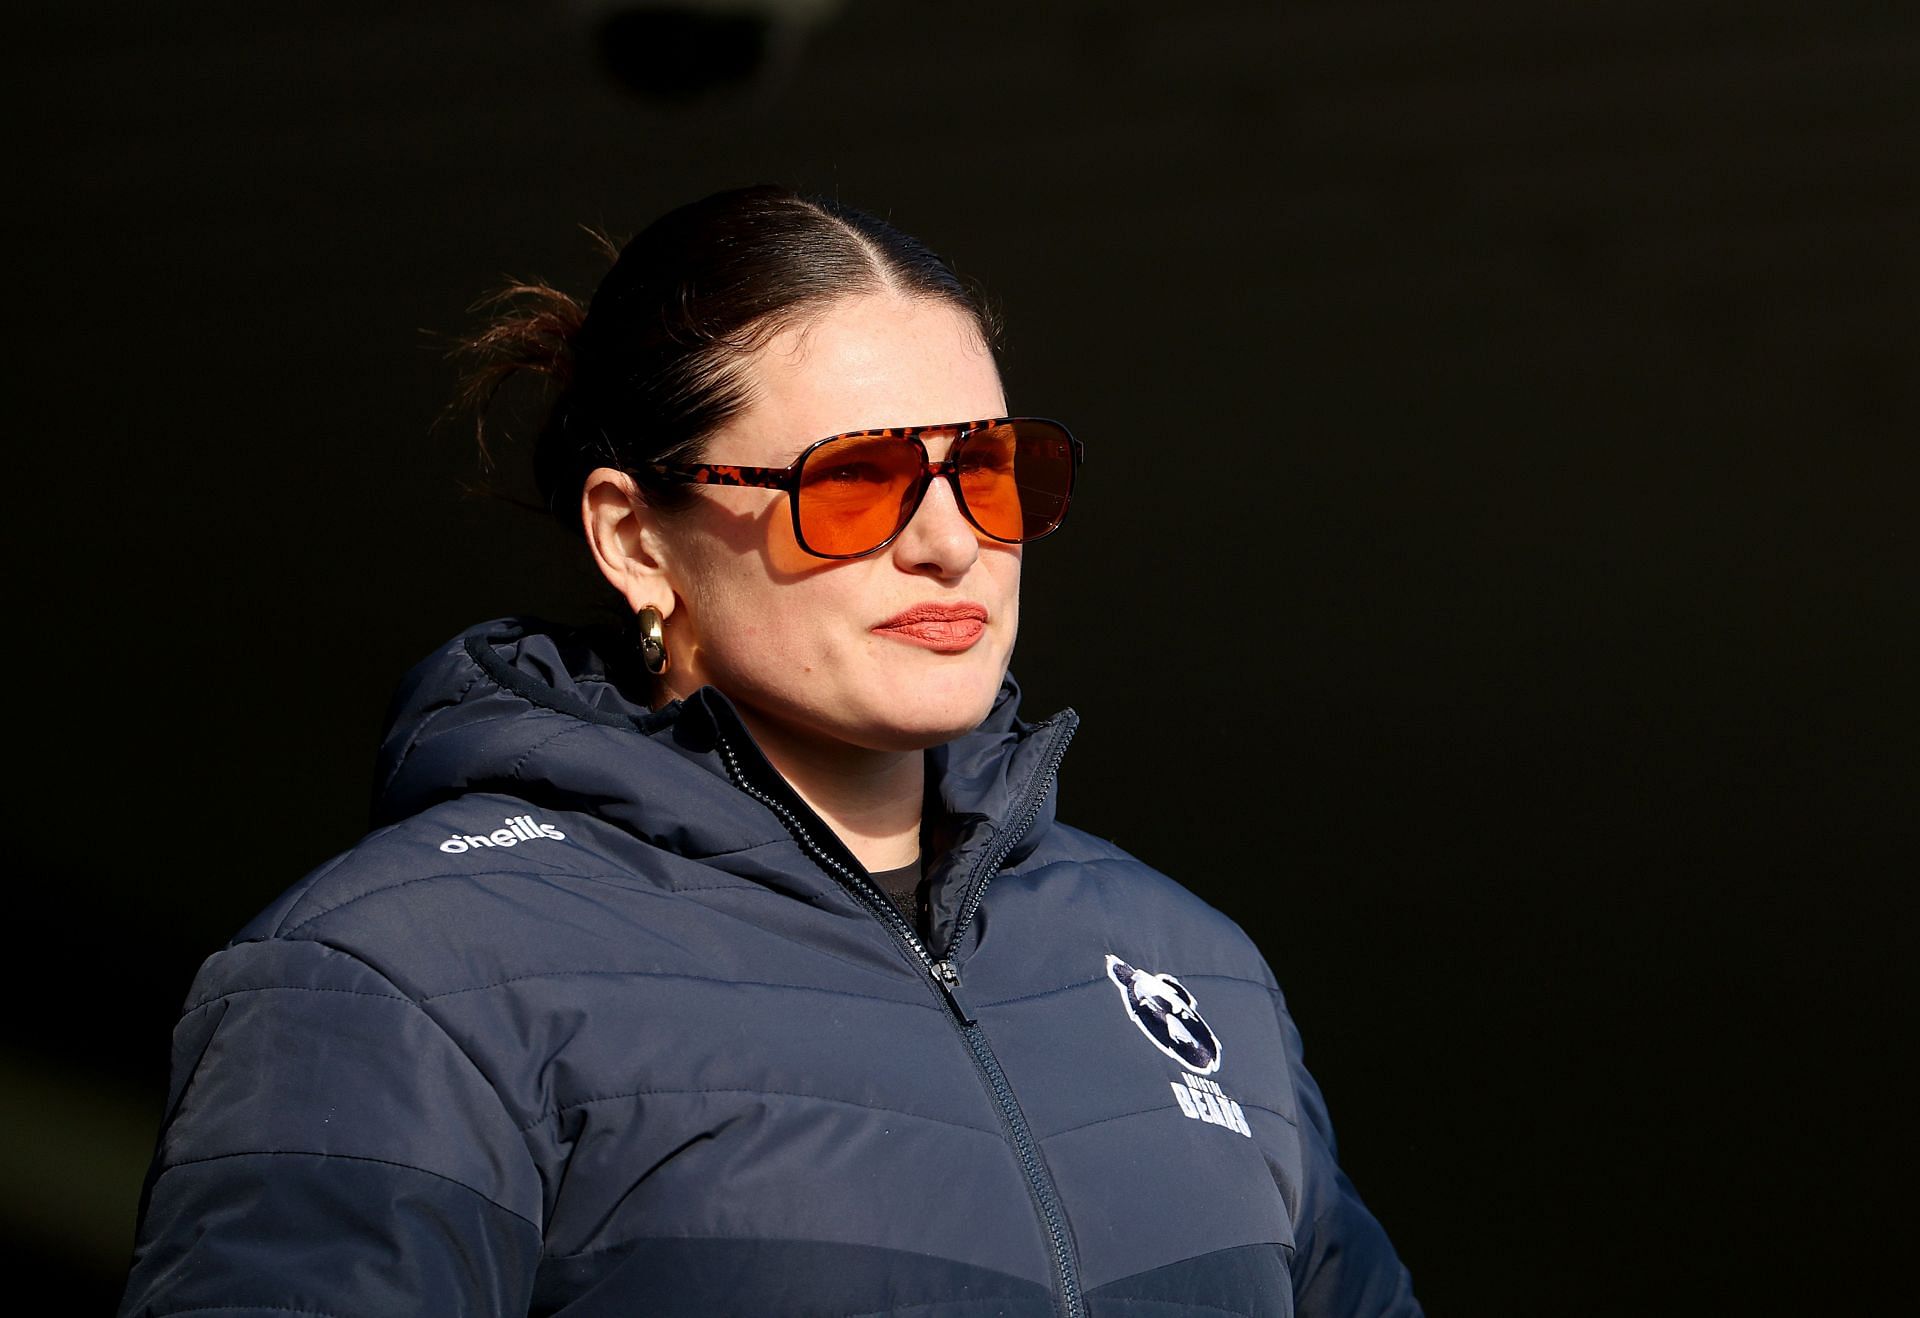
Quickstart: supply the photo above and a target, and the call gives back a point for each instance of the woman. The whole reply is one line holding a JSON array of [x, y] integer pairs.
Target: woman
[[736, 965]]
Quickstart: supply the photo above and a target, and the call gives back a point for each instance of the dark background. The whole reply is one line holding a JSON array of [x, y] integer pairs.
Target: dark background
[[1493, 584]]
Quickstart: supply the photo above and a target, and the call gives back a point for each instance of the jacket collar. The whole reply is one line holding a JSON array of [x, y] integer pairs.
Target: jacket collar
[[541, 711]]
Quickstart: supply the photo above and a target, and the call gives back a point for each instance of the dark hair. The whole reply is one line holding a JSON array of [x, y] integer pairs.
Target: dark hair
[[653, 366]]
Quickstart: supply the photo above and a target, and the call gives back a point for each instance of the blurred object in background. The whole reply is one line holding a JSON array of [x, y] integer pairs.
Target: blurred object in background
[[674, 51], [70, 1173]]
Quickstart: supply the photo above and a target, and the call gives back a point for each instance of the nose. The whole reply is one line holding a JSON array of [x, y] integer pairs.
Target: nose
[[939, 539]]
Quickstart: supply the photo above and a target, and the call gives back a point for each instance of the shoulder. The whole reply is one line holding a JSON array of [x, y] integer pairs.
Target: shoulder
[[478, 889], [1119, 890], [448, 845]]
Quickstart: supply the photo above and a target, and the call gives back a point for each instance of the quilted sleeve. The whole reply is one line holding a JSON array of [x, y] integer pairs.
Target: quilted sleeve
[[1344, 1266], [328, 1150]]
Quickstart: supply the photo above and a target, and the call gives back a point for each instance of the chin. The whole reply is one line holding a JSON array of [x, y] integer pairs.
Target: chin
[[924, 713], [918, 737], [922, 728]]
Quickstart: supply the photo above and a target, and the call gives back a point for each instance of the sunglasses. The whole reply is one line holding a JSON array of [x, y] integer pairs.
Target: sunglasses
[[852, 494]]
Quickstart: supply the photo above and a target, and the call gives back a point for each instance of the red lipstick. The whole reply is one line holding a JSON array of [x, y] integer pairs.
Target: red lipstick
[[947, 628]]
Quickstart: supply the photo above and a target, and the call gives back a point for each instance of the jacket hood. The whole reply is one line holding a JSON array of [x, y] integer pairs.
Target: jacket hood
[[543, 712]]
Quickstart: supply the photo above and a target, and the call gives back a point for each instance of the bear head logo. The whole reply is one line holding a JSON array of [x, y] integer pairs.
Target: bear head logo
[[1163, 1009]]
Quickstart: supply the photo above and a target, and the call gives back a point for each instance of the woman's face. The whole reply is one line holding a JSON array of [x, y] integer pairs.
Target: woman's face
[[803, 643]]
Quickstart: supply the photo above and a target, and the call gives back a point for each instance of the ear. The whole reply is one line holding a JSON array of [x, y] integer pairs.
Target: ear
[[623, 534]]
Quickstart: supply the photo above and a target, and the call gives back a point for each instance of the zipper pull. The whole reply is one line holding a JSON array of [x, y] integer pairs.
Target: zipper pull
[[947, 976]]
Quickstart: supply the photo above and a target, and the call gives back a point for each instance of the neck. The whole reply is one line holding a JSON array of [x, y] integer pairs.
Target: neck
[[870, 799]]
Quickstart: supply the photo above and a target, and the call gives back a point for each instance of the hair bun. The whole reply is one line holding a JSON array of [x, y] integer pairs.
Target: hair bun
[[673, 323]]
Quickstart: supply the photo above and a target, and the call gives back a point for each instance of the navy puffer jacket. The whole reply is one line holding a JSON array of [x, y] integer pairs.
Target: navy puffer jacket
[[602, 1020]]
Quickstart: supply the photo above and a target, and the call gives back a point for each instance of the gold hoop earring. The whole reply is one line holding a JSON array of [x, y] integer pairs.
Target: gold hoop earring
[[653, 640]]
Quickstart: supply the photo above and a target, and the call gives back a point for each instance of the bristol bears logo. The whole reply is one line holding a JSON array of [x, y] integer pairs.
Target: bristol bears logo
[[1163, 1009]]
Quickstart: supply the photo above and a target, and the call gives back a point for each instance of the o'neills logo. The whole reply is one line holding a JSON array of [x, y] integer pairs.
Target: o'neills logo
[[521, 828]]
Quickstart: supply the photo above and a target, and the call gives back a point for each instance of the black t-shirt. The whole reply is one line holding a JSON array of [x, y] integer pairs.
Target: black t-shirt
[[902, 886]]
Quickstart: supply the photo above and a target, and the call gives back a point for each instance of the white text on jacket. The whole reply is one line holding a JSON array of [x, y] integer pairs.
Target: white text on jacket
[[520, 828], [1203, 1100]]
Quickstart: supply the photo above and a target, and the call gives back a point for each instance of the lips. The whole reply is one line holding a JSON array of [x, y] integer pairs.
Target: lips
[[950, 628]]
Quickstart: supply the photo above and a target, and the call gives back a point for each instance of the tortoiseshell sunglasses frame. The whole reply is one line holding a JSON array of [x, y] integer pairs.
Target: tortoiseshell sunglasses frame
[[787, 478]]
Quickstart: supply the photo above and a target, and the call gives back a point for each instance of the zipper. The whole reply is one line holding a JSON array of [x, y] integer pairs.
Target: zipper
[[944, 976], [862, 886], [990, 864]]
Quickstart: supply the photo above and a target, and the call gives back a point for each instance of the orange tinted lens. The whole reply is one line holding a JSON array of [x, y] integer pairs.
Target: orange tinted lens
[[1017, 477], [853, 493], [987, 467]]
